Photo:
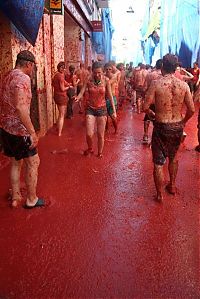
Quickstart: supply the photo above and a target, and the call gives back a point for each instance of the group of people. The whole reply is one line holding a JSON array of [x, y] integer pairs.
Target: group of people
[[160, 93]]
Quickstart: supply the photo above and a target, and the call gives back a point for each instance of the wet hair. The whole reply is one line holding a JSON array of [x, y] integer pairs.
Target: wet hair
[[24, 56], [148, 66], [71, 68], [139, 64], [61, 63], [97, 65], [112, 62], [108, 64], [179, 64], [159, 64], [170, 62], [196, 63]]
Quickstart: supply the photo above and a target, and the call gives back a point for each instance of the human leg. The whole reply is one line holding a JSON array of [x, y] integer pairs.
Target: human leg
[[69, 107], [158, 180], [90, 123], [173, 169], [101, 124], [60, 122], [114, 121], [31, 176], [146, 129], [15, 181]]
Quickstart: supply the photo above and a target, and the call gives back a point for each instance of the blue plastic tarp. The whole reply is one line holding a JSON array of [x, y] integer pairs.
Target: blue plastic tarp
[[179, 32], [26, 15], [102, 41], [180, 29]]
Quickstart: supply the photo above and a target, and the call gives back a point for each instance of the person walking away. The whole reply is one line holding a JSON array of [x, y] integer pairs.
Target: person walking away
[[19, 139], [169, 95], [82, 74], [72, 80], [98, 86], [139, 84], [60, 87], [154, 75]]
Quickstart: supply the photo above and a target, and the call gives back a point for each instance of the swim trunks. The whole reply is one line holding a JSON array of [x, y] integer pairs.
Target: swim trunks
[[17, 146], [166, 139], [109, 106]]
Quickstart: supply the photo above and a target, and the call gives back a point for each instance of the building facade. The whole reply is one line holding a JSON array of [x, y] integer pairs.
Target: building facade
[[67, 37]]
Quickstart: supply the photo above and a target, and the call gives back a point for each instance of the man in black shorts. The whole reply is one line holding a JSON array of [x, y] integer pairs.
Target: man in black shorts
[[19, 139]]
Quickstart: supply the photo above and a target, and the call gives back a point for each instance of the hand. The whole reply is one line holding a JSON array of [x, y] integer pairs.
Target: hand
[[115, 114], [34, 141], [75, 99]]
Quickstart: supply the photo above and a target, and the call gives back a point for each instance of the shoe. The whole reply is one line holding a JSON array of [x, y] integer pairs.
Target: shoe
[[40, 203]]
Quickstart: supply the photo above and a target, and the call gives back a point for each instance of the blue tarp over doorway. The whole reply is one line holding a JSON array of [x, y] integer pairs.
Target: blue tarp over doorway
[[26, 15]]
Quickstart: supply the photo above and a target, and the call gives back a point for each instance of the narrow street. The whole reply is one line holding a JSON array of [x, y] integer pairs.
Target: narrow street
[[102, 235]]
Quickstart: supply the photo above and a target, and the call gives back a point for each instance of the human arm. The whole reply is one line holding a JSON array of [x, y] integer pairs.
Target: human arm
[[110, 96], [23, 112], [189, 105], [149, 99], [81, 93], [187, 76]]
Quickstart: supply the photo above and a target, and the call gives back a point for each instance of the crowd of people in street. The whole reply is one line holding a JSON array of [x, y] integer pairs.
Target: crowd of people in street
[[100, 91]]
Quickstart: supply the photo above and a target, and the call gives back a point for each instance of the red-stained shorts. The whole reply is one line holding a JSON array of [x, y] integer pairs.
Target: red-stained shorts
[[166, 139]]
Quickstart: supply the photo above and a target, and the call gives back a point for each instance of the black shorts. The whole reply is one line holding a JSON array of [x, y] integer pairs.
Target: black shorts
[[102, 111], [166, 139], [17, 146]]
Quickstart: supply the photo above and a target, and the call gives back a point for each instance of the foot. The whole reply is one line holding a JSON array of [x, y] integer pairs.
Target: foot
[[100, 156], [40, 203], [15, 202], [88, 152], [171, 189]]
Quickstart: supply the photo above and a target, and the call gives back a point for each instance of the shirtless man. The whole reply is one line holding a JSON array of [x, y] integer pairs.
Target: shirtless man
[[139, 84], [117, 75], [169, 95], [155, 74], [122, 84], [82, 75], [113, 83]]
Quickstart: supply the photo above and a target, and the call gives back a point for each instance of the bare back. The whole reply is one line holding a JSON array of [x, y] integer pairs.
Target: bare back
[[169, 94]]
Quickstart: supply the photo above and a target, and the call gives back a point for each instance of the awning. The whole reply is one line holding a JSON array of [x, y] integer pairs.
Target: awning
[[26, 15]]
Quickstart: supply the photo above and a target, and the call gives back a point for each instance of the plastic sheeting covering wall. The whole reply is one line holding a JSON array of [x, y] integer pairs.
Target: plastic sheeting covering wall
[[180, 29], [102, 41], [25, 15]]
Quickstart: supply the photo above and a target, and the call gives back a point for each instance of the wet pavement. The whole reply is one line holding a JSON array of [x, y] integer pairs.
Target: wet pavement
[[102, 235]]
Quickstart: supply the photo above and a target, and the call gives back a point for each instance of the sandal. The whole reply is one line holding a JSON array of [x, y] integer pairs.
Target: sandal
[[40, 203]]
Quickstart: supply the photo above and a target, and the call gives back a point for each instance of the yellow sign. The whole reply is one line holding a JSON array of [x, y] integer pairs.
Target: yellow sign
[[55, 4]]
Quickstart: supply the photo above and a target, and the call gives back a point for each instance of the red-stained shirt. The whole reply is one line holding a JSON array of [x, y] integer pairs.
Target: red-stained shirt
[[10, 120], [96, 94], [57, 79]]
